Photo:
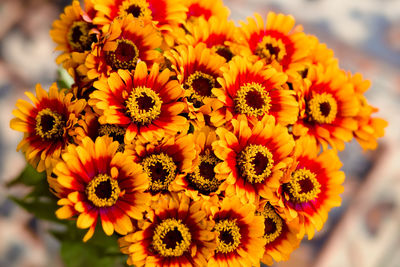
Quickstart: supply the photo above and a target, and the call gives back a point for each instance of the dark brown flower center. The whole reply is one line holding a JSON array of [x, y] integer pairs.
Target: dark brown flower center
[[161, 170], [252, 99], [228, 235], [273, 224], [203, 177], [255, 163], [224, 52], [303, 186], [78, 36], [103, 191], [115, 132], [200, 85], [125, 56], [322, 108], [135, 10], [49, 124], [172, 238]]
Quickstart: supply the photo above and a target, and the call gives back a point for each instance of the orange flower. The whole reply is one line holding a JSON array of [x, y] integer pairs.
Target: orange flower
[[176, 233], [240, 233], [275, 41], [125, 42], [314, 186], [253, 158], [206, 9], [145, 104], [101, 182], [329, 107], [253, 90], [45, 125]]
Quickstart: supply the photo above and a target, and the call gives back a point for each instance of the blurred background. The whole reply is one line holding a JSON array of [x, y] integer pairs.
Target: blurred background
[[365, 35]]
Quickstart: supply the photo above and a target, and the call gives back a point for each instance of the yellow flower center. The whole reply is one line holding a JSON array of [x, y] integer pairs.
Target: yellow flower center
[[78, 36], [228, 235], [49, 124], [303, 186], [203, 177], [103, 191], [322, 108], [125, 56], [273, 224], [171, 238], [144, 105], [255, 163], [138, 9], [271, 49], [117, 133], [223, 51], [252, 100], [200, 85], [161, 170]]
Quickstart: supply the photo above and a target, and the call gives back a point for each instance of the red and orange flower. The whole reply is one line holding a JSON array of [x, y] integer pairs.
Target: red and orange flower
[[253, 89], [206, 9], [146, 104], [276, 40], [328, 107], [176, 232], [240, 234], [124, 43], [101, 183], [254, 158], [314, 187], [45, 125]]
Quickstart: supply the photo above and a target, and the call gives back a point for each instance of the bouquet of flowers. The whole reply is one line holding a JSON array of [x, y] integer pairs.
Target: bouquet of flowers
[[193, 141]]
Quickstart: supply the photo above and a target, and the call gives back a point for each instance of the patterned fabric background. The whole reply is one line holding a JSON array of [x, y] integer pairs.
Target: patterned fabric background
[[365, 35]]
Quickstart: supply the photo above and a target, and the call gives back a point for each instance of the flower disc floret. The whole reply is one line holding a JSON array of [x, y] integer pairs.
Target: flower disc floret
[[200, 85], [144, 105], [138, 9], [322, 108], [303, 186], [103, 191], [125, 56], [252, 100], [228, 238], [78, 36], [171, 238], [271, 49], [161, 170], [273, 224], [255, 163], [49, 124]]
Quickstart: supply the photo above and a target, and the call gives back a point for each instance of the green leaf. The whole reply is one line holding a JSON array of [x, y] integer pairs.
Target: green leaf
[[29, 176], [64, 80], [43, 208]]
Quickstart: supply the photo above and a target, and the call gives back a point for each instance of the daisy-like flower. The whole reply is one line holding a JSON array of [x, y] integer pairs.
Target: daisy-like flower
[[101, 183], [176, 233], [275, 40], [254, 159], [369, 129], [197, 69], [328, 107], [219, 36], [240, 234], [164, 13], [126, 42], [314, 187], [202, 181], [206, 9], [45, 125], [165, 161], [253, 90], [280, 235], [73, 32], [143, 103]]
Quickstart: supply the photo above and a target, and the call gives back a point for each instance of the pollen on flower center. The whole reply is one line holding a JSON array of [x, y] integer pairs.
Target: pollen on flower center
[[49, 124], [117, 133], [144, 105], [161, 170], [103, 191], [138, 9], [271, 49], [322, 108], [273, 224], [303, 186], [78, 36], [200, 85], [125, 56], [255, 163], [252, 100], [171, 238], [203, 177], [223, 51], [228, 235]]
